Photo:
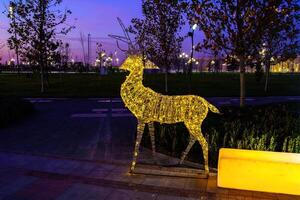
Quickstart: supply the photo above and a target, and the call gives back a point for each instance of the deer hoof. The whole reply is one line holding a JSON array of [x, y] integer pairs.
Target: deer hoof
[[206, 173]]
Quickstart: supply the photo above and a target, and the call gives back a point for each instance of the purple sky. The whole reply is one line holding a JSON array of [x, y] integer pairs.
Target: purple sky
[[97, 17]]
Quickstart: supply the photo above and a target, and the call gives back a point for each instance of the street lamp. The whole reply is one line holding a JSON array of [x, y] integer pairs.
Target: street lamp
[[191, 34], [11, 11], [194, 27]]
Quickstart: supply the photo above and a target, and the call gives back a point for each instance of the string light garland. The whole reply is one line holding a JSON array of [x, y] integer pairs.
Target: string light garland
[[149, 106]]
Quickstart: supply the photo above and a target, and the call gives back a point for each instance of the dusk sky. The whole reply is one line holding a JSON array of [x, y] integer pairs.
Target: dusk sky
[[97, 17]]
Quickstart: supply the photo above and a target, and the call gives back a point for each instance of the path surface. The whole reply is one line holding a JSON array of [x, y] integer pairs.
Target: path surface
[[28, 177], [81, 149]]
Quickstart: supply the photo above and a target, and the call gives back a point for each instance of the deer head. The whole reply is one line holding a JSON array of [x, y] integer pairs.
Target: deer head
[[136, 62]]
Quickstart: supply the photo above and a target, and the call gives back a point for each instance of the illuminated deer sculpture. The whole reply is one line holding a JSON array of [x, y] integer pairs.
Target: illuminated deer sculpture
[[149, 106]]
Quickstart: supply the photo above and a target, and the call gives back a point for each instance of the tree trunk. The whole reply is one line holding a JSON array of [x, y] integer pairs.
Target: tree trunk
[[18, 63], [190, 82], [167, 65], [242, 83], [16, 47], [267, 76], [191, 63], [166, 80], [190, 70], [42, 79], [42, 49], [100, 67]]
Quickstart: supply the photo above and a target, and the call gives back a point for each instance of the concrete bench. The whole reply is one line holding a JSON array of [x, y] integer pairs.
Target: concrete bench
[[259, 171]]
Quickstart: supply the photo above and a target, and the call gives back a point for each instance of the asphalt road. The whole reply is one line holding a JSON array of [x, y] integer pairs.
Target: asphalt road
[[76, 128]]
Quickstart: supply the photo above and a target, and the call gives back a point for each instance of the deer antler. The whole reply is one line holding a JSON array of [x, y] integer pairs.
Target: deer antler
[[126, 39], [124, 50]]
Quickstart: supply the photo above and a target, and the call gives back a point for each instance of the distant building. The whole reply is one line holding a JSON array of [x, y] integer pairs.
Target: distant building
[[287, 66]]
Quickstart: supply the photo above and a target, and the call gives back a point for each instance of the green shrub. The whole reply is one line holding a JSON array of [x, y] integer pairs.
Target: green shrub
[[274, 127]]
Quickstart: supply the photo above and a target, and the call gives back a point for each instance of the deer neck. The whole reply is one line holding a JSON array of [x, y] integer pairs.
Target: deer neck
[[134, 79], [131, 86]]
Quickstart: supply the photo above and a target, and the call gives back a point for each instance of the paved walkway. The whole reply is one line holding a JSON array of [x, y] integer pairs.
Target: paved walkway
[[32, 177]]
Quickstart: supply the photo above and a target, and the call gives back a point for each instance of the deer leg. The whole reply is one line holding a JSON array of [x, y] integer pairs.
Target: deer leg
[[195, 130], [140, 131], [152, 137], [204, 146], [188, 148]]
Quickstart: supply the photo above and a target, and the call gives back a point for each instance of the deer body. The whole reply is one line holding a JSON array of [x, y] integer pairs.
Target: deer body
[[149, 106]]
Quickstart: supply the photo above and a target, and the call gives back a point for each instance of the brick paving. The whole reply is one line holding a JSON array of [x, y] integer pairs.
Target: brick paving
[[33, 177]]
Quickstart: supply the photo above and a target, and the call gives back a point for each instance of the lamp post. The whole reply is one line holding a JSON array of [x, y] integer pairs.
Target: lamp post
[[101, 57], [12, 7], [191, 34]]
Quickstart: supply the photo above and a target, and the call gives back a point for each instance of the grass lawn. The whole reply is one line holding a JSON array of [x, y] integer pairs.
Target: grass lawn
[[93, 85]]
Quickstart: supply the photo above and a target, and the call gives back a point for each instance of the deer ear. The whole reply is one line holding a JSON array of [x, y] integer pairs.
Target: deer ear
[[150, 65]]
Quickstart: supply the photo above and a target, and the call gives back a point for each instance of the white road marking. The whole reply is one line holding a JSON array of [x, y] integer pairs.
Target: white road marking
[[92, 115], [100, 110], [108, 101], [123, 115], [45, 99], [94, 99], [88, 115], [247, 99], [224, 103], [40, 101], [104, 112], [294, 98], [113, 110]]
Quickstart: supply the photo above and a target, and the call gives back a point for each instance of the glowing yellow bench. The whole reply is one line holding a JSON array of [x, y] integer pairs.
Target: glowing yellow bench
[[259, 171]]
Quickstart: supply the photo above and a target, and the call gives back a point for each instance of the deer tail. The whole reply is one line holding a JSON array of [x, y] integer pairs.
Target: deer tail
[[213, 109]]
